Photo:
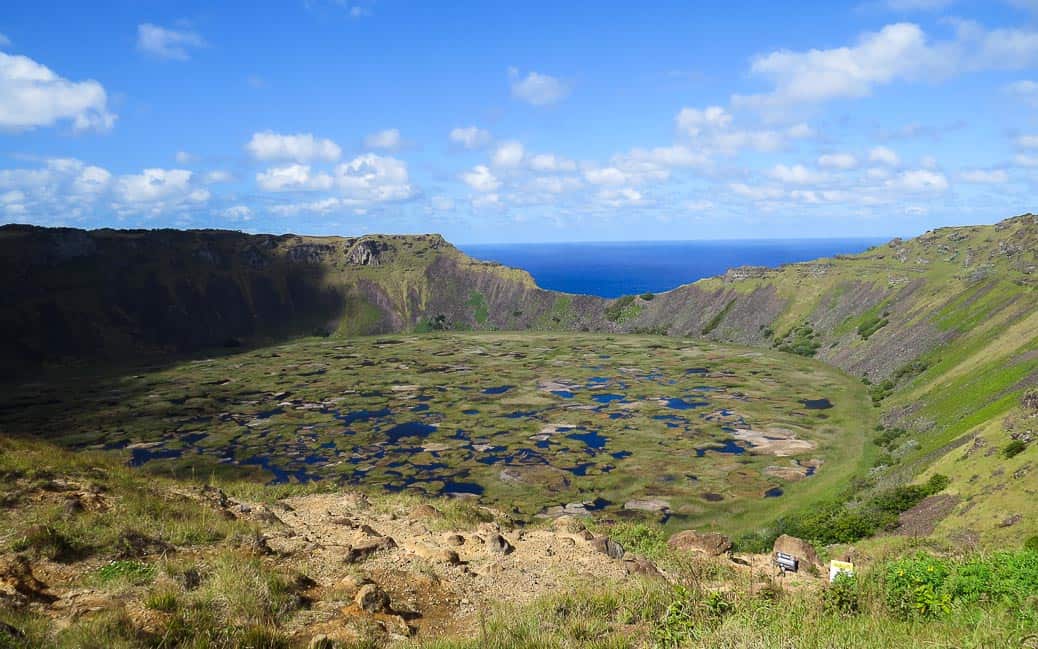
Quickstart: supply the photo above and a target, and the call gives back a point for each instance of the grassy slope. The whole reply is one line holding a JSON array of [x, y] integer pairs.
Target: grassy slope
[[960, 301]]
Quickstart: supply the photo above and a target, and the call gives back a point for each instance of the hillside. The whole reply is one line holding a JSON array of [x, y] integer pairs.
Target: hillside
[[943, 327], [422, 484], [125, 295]]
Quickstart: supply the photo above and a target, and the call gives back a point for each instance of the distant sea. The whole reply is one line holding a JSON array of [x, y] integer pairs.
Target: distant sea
[[611, 269]]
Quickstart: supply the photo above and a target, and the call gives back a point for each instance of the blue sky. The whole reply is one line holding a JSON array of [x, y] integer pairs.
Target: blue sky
[[494, 122]]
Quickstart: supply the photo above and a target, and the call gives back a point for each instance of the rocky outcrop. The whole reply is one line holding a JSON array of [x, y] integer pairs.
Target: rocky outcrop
[[710, 543], [803, 551]]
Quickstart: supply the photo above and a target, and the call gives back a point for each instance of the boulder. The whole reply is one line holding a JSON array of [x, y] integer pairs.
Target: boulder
[[802, 550], [454, 539], [499, 544], [439, 555], [350, 585], [710, 543], [372, 599], [361, 551], [608, 546], [635, 565]]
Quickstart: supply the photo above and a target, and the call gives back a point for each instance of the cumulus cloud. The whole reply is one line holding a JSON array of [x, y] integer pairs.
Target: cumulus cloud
[[388, 140], [547, 162], [919, 180], [301, 147], [605, 176], [481, 179], [897, 52], [169, 44], [711, 129], [883, 155], [295, 177], [508, 154], [470, 137], [373, 178], [237, 213], [32, 95], [838, 161], [692, 121], [66, 189], [795, 174], [536, 88], [622, 197]]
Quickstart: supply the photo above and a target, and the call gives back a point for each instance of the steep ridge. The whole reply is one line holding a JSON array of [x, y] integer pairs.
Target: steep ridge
[[125, 294], [944, 329]]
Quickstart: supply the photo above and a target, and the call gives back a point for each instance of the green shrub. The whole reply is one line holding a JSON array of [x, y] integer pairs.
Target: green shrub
[[622, 309], [915, 587], [842, 596], [870, 325], [1014, 448], [648, 296], [677, 626]]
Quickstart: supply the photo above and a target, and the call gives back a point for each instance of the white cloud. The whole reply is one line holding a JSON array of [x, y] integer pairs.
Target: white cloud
[[302, 147], [919, 180], [171, 44], [622, 197], [508, 154], [156, 185], [218, 176], [237, 213], [1022, 160], [322, 206], [984, 176], [555, 184], [757, 192], [693, 121], [710, 128], [373, 178], [388, 140], [698, 206], [295, 177], [605, 176], [551, 162], [470, 137], [32, 95], [795, 175], [537, 89], [883, 155], [481, 179], [185, 158], [838, 161], [1027, 141], [897, 52]]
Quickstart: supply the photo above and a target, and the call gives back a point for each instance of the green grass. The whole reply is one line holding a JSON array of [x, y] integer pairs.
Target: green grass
[[292, 404]]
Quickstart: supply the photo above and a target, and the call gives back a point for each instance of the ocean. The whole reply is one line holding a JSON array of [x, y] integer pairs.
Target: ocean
[[612, 269]]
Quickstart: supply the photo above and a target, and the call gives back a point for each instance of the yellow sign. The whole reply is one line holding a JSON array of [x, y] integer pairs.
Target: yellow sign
[[840, 568]]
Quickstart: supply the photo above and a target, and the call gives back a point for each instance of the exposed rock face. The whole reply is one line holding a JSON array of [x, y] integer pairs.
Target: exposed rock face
[[802, 550], [608, 546], [710, 543], [372, 599]]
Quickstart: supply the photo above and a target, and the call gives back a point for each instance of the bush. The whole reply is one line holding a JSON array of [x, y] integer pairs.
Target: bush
[[648, 296], [1014, 448], [915, 587], [842, 596]]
